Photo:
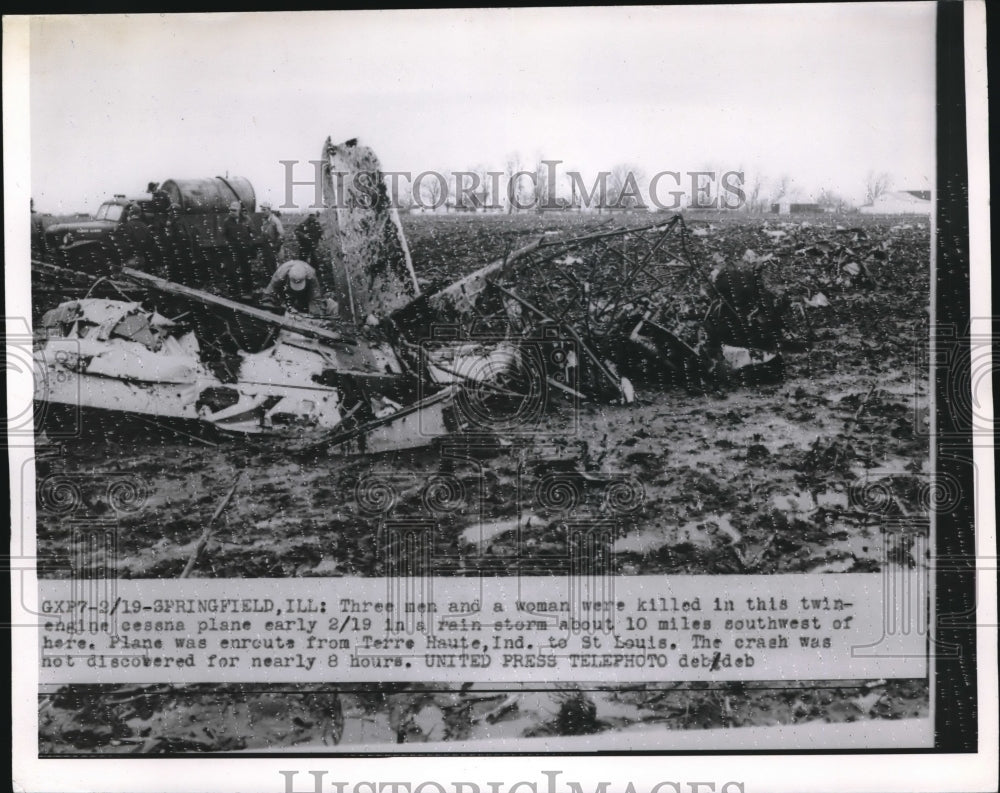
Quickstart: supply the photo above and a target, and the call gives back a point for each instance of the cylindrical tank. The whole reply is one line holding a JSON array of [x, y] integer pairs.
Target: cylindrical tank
[[210, 195]]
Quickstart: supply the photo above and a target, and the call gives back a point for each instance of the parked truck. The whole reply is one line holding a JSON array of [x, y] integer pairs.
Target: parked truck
[[94, 245]]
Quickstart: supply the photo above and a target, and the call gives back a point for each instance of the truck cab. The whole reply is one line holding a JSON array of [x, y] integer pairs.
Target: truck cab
[[89, 245]]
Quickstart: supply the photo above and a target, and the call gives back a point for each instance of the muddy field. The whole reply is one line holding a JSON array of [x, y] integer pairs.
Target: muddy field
[[790, 477], [824, 471], [88, 720]]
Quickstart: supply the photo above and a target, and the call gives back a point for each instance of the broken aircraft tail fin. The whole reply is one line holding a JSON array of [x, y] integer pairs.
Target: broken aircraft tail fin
[[372, 270]]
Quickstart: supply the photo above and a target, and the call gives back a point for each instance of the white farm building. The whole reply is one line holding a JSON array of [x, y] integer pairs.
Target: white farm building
[[900, 202]]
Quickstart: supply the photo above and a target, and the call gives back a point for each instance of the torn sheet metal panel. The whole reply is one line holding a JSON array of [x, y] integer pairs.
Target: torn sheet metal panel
[[274, 411], [367, 241], [416, 425], [748, 365], [116, 357], [360, 358], [738, 358], [90, 376]]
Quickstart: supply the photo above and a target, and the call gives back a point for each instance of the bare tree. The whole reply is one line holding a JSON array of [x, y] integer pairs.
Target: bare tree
[[574, 201], [546, 187], [625, 186], [782, 188], [876, 184], [830, 200], [432, 189], [755, 201], [518, 194], [484, 191], [540, 189]]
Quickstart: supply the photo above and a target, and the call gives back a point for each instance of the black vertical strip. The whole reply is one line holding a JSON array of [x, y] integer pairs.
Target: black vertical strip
[[953, 650]]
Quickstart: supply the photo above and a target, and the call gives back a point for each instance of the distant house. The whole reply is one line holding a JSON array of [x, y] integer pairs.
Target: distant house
[[793, 208], [900, 202]]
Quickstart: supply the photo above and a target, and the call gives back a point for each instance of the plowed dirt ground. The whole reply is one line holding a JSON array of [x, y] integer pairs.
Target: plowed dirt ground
[[825, 471]]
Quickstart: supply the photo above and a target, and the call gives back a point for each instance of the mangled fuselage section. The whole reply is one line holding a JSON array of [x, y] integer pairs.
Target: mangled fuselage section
[[108, 355], [633, 305], [118, 359]]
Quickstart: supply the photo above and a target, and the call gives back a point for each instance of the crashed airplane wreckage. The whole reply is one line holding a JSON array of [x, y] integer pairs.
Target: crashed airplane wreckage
[[582, 318]]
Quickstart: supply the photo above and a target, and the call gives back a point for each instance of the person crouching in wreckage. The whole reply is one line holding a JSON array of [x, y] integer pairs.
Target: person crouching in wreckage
[[296, 287]]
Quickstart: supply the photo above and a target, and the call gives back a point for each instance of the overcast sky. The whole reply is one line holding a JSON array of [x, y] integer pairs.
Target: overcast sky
[[823, 93]]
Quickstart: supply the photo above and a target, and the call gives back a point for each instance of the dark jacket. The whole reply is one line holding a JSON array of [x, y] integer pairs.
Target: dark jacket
[[238, 235], [134, 239]]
